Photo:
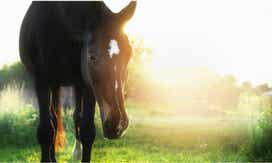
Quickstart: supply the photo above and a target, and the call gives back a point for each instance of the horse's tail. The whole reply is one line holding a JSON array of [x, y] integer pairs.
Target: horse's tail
[[60, 137]]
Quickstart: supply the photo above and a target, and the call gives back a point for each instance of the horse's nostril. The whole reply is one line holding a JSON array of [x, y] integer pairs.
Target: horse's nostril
[[124, 124]]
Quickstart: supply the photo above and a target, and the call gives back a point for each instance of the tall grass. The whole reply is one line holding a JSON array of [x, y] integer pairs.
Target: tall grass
[[152, 136], [258, 110], [11, 98], [260, 144], [18, 120]]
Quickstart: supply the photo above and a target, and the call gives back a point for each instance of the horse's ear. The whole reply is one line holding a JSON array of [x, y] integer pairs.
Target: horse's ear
[[125, 14], [106, 12]]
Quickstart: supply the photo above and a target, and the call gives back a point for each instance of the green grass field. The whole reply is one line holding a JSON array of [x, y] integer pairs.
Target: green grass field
[[151, 137], [156, 134]]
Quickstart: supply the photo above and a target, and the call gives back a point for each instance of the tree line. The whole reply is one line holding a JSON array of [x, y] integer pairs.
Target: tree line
[[192, 85]]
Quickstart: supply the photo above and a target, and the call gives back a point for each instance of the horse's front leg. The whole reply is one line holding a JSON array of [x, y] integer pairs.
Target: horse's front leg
[[77, 152], [87, 127], [46, 128]]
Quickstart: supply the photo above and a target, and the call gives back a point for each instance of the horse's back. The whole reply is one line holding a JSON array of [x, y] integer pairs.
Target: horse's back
[[48, 44]]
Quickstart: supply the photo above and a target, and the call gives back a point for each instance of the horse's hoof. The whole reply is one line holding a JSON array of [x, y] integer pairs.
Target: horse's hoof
[[77, 152]]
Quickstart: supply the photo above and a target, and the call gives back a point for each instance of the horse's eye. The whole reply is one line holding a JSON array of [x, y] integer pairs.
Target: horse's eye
[[93, 59]]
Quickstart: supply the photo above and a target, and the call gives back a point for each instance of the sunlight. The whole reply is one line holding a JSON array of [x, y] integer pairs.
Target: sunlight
[[182, 89], [199, 41], [221, 42]]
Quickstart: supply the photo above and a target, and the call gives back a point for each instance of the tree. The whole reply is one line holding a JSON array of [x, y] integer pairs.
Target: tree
[[225, 93], [246, 86], [262, 88], [137, 81], [15, 73]]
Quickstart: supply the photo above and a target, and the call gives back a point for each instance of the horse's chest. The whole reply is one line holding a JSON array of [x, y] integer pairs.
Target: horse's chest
[[65, 65]]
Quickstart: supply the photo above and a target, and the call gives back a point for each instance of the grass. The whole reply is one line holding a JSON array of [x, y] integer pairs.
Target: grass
[[151, 137]]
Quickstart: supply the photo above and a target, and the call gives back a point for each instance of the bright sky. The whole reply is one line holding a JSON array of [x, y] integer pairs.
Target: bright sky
[[233, 37]]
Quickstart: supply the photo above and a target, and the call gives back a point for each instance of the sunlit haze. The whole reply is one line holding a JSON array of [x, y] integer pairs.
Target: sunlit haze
[[229, 37]]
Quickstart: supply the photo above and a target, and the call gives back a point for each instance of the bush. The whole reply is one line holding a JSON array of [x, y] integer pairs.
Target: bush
[[18, 128], [15, 73], [260, 145], [18, 120]]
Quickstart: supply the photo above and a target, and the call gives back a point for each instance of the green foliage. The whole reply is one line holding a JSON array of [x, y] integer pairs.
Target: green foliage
[[137, 82], [151, 137], [260, 89], [147, 139], [15, 73], [18, 128], [18, 120], [260, 145], [157, 133], [191, 84]]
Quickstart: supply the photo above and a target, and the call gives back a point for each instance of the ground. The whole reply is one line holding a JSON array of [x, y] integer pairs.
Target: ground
[[151, 137]]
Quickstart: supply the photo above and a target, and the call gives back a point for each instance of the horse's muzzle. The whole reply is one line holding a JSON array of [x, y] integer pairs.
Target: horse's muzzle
[[112, 131]]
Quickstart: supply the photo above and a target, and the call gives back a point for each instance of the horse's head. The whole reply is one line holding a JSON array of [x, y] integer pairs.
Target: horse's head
[[105, 58]]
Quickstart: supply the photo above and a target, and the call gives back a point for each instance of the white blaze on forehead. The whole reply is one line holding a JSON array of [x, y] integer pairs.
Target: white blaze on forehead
[[113, 48]]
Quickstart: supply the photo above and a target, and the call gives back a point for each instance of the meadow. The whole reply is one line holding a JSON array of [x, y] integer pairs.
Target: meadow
[[156, 134]]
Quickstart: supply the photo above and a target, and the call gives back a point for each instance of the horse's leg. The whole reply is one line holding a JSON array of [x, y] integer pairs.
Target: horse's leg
[[87, 127], [55, 105], [46, 130], [76, 117]]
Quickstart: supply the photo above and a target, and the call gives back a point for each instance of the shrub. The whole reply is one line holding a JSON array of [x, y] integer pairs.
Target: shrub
[[11, 98], [18, 128], [15, 73], [18, 120], [260, 145]]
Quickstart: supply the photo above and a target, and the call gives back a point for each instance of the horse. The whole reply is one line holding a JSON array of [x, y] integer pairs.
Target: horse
[[78, 44]]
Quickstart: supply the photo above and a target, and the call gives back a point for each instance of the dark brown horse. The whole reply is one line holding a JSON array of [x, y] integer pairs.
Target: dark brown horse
[[79, 44]]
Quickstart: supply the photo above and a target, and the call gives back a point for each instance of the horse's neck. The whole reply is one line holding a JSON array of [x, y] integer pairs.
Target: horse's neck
[[79, 16]]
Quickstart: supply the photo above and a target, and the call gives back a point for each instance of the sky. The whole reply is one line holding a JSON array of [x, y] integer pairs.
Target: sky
[[229, 37]]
